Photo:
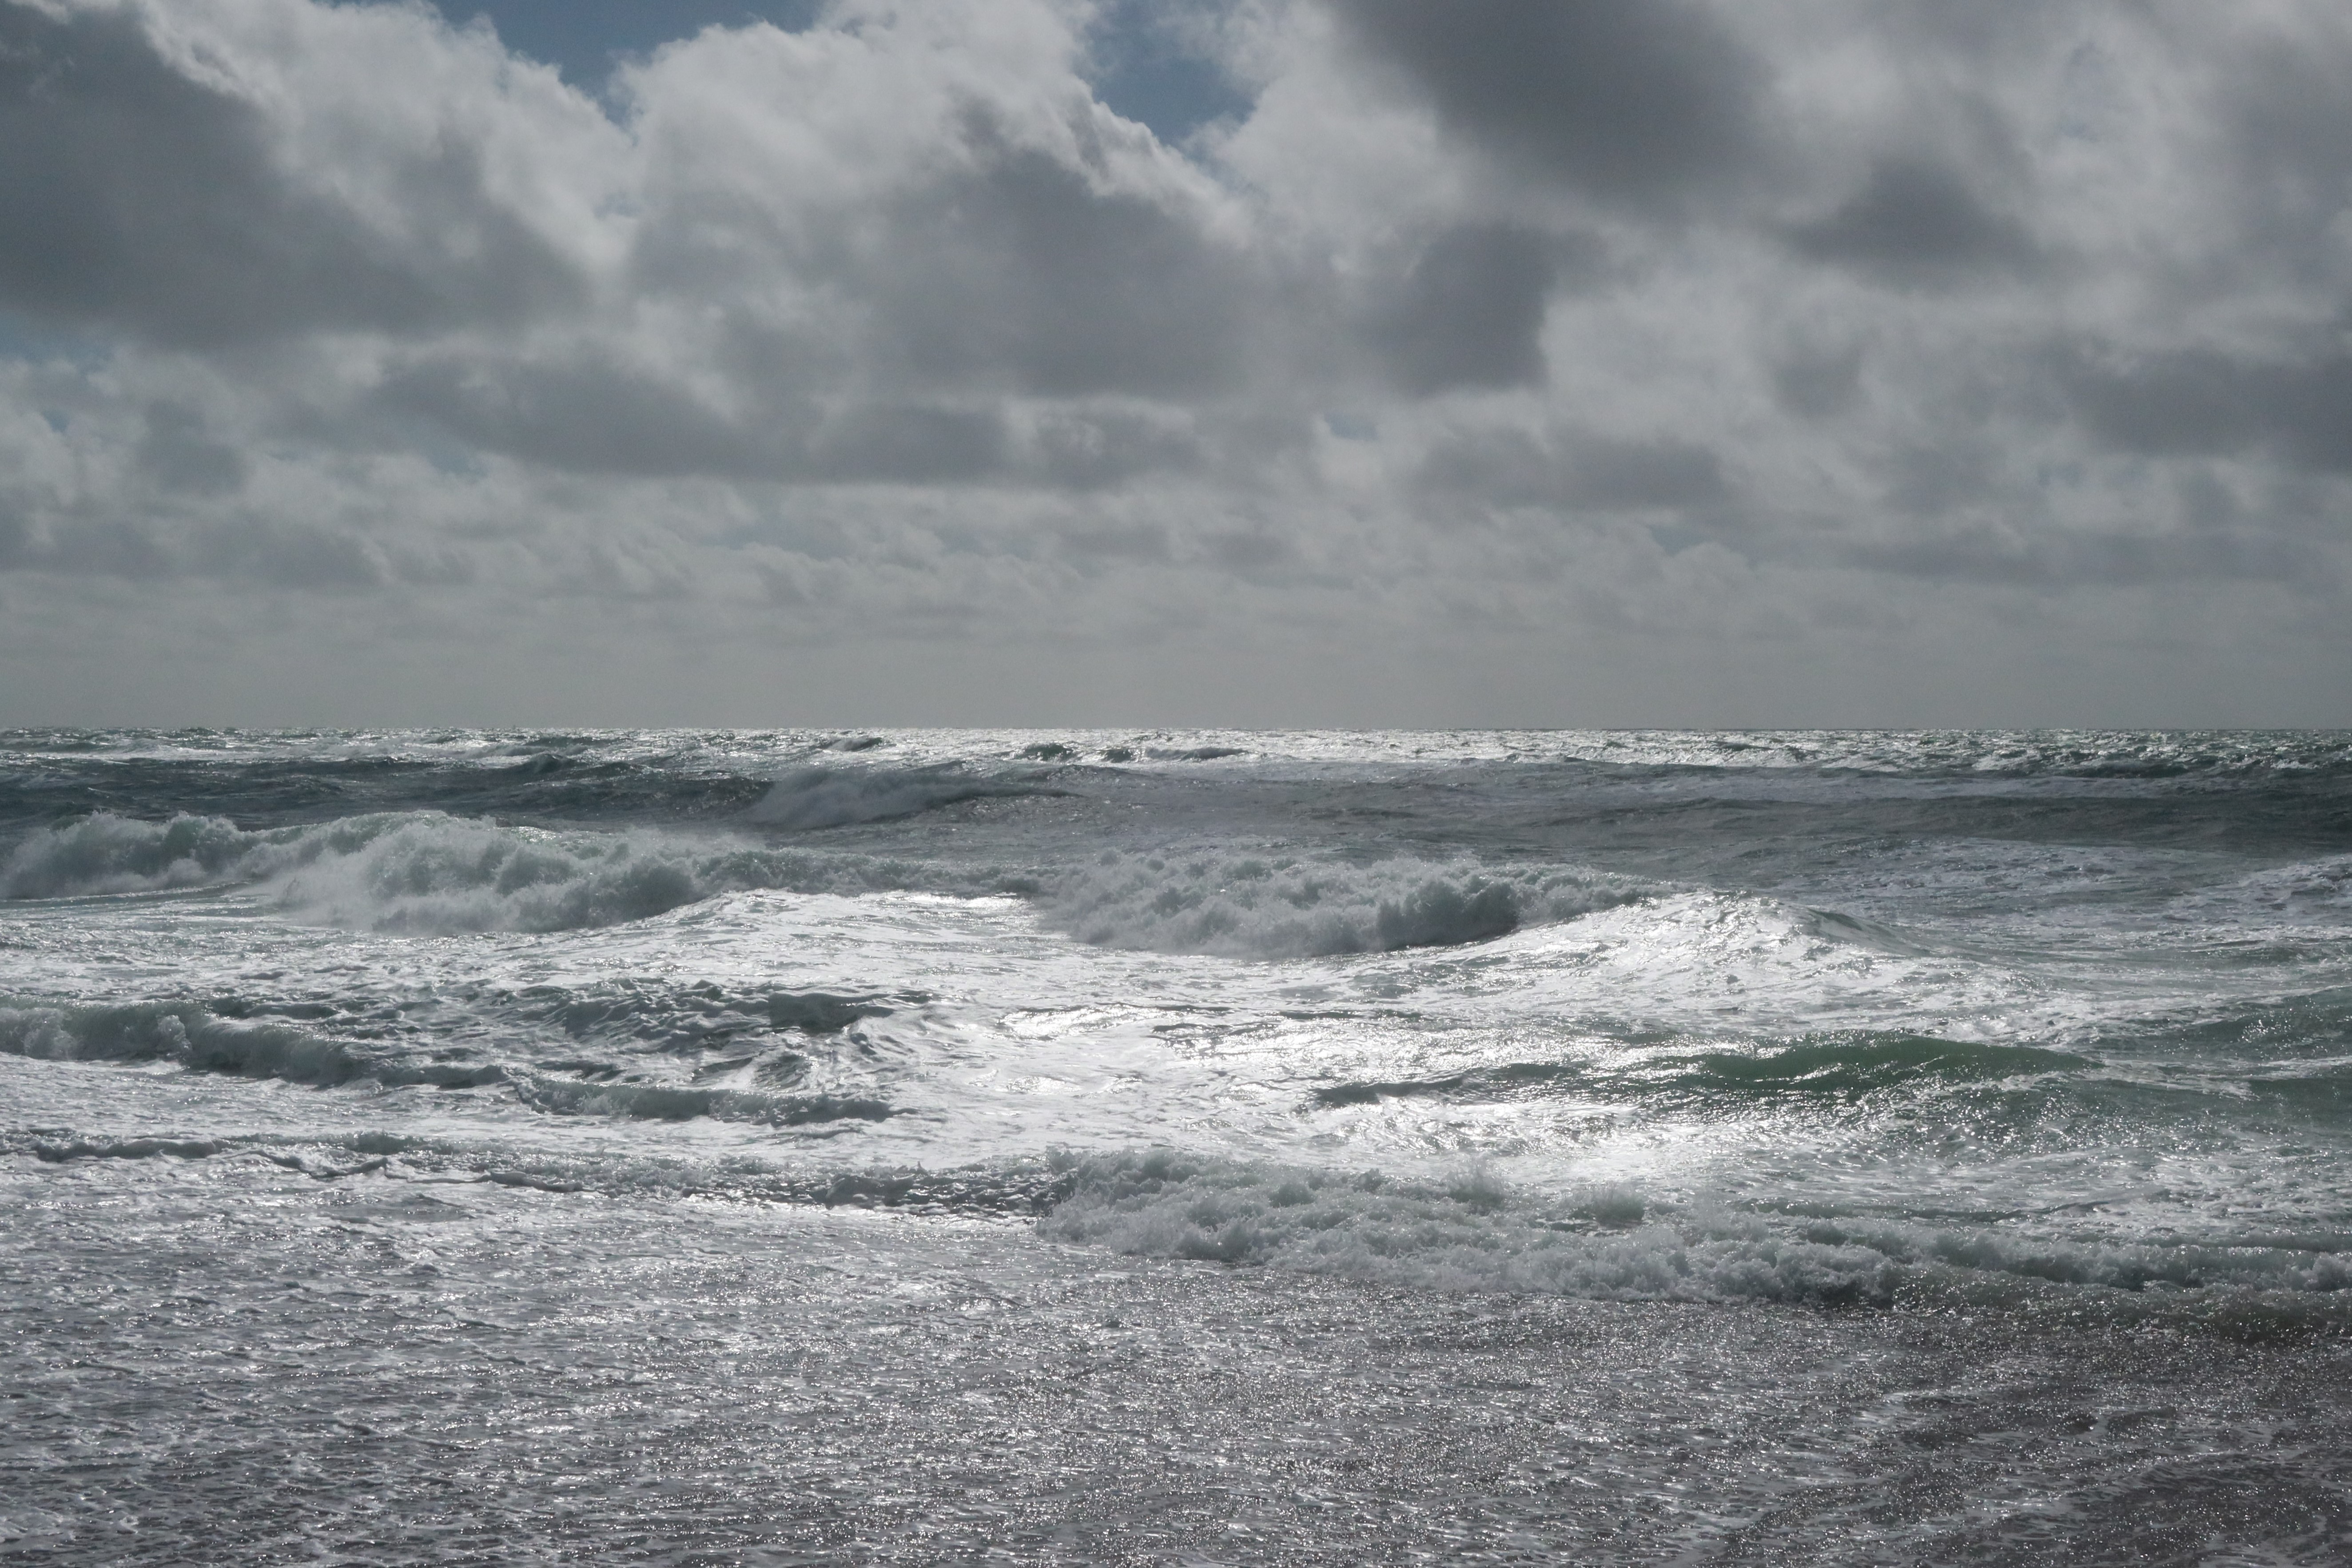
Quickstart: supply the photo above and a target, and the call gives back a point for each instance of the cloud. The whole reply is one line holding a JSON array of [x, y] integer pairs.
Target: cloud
[[147, 188], [1635, 101], [1470, 311], [1573, 471], [1916, 223], [1026, 274], [178, 454], [1694, 347], [2202, 400]]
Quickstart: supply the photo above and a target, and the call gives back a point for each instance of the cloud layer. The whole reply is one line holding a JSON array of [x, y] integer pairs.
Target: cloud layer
[[1631, 361]]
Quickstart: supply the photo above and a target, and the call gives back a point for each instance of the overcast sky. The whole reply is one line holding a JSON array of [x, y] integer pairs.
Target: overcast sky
[[1342, 362]]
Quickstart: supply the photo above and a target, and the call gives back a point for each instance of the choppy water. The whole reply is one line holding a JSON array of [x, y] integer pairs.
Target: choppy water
[[2057, 1027]]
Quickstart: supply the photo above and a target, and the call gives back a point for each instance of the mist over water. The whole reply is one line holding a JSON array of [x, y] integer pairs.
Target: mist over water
[[2051, 1026]]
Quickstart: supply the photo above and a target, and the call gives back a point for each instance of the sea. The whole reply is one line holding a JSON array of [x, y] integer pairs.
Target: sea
[[1175, 1146]]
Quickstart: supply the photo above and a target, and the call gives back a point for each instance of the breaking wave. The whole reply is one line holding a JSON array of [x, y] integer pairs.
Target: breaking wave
[[1279, 906], [425, 871]]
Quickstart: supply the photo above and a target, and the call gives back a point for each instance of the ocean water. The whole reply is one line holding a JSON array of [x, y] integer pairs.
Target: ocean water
[[1176, 1146]]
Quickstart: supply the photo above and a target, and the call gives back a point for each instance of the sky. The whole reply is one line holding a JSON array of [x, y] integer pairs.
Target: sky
[[1776, 362]]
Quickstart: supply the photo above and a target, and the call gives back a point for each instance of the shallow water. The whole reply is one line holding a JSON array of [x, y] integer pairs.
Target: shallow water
[[1980, 1095]]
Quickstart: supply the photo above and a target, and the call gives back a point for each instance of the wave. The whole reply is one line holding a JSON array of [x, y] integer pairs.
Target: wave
[[429, 872], [2315, 889], [1476, 1234], [103, 853], [1281, 907], [684, 1102], [1466, 1233], [810, 798], [2097, 754], [700, 1013], [129, 1149], [1470, 1234], [2320, 1265], [191, 1036], [1843, 1067]]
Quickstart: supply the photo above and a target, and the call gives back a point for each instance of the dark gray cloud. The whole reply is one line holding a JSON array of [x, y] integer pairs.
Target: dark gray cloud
[[1633, 475], [1817, 382], [1638, 102], [1091, 449], [910, 443], [2108, 559], [2285, 126], [588, 412], [1575, 472], [1025, 273], [1929, 479], [1117, 542], [236, 546], [283, 554], [2202, 401], [178, 453], [135, 197], [593, 416], [1470, 311], [1915, 223]]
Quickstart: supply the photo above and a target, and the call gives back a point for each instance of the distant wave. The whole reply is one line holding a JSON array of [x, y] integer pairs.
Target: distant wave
[[809, 798], [1948, 753]]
